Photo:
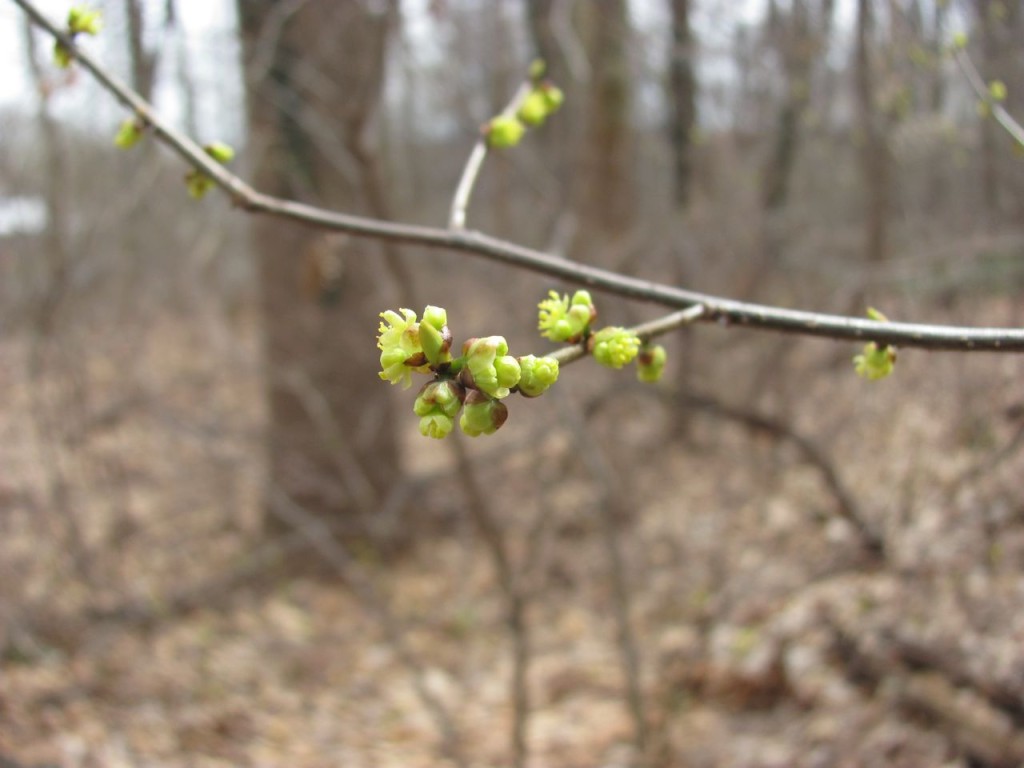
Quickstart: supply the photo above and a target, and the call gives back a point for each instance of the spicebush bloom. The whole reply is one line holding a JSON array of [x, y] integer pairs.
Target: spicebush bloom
[[537, 374], [875, 362], [492, 369], [562, 320], [615, 347], [399, 342]]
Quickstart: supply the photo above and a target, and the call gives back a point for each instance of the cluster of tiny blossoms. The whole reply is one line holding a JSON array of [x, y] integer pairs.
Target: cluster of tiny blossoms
[[569, 320], [471, 386]]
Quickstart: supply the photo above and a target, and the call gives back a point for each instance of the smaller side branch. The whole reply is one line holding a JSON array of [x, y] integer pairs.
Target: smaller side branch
[[981, 90], [463, 192]]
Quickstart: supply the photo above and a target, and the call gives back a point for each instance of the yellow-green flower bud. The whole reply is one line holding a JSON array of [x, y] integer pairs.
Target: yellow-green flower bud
[[537, 374], [128, 134], [84, 20], [62, 55], [436, 405], [489, 367], [198, 183], [997, 90], [875, 362], [435, 316], [553, 97], [481, 415], [504, 131], [534, 108], [221, 152], [615, 347], [650, 363], [436, 343]]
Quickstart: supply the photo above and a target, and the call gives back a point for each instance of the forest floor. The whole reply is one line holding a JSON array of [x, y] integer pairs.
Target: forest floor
[[146, 619]]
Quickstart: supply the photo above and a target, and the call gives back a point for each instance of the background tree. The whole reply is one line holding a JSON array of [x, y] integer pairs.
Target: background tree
[[315, 77]]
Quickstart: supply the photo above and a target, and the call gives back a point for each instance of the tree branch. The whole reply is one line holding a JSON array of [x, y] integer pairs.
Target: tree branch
[[724, 311]]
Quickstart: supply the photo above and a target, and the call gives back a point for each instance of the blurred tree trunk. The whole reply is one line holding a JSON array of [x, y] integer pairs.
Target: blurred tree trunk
[[315, 72], [989, 162], [798, 43], [143, 62], [936, 98], [607, 188], [875, 155], [683, 100]]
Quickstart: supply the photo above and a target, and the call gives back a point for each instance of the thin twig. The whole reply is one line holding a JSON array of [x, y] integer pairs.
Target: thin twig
[[982, 91], [721, 310], [457, 217]]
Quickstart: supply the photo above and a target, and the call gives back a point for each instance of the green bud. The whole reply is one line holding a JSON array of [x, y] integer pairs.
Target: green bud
[[997, 90], [538, 68], [875, 362], [62, 55], [84, 20], [615, 347], [436, 343], [482, 415], [553, 97], [436, 405], [435, 316], [537, 374], [533, 109], [198, 183], [128, 134], [221, 152], [959, 41], [650, 363], [489, 368], [504, 132]]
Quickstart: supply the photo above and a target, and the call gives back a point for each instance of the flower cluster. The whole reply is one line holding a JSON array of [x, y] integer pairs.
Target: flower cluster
[[474, 383], [560, 319], [82, 20], [614, 347], [569, 320]]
